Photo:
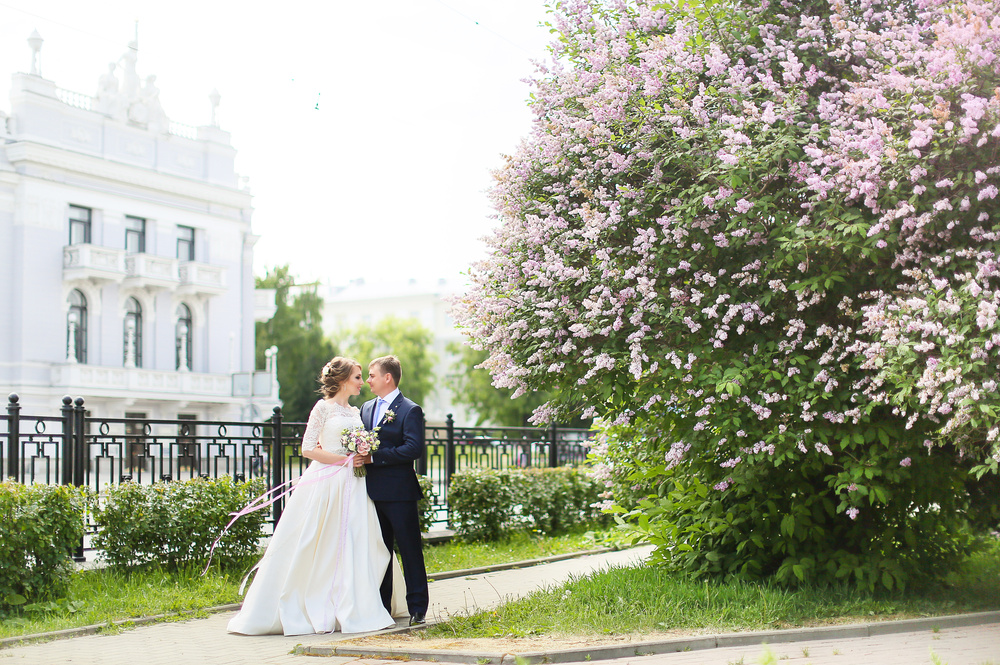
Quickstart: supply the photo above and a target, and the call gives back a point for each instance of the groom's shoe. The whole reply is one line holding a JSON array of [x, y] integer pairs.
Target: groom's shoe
[[418, 619]]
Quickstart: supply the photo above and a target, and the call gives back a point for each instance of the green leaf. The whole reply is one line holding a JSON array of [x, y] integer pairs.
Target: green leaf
[[788, 525]]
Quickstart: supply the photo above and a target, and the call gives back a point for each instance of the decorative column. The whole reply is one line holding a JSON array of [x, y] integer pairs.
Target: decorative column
[[182, 348], [35, 42], [271, 364], [130, 343], [214, 97], [73, 326]]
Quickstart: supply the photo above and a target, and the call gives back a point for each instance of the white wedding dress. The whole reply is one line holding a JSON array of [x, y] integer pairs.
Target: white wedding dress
[[325, 562]]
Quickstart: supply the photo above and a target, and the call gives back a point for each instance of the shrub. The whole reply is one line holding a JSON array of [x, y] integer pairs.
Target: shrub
[[425, 507], [175, 523], [480, 503], [775, 522], [488, 505], [553, 500], [41, 526], [728, 232]]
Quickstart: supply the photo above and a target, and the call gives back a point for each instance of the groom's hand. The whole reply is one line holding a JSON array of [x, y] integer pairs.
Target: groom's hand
[[361, 460]]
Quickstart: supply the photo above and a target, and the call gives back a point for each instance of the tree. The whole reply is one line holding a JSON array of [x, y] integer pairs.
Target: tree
[[296, 329], [473, 386], [406, 339], [758, 240]]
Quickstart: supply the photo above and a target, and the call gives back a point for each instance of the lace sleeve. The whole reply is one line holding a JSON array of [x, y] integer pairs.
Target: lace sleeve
[[317, 418]]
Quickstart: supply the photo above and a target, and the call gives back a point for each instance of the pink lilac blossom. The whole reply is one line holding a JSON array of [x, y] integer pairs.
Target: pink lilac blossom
[[611, 261]]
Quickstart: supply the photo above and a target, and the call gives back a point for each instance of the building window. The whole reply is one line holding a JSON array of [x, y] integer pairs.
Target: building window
[[76, 328], [135, 235], [133, 333], [79, 225], [182, 337], [185, 243]]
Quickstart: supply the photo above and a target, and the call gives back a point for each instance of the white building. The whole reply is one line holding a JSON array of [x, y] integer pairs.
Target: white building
[[126, 255], [360, 302]]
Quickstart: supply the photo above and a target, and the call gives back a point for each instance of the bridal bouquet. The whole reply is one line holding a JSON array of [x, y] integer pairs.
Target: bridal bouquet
[[360, 441]]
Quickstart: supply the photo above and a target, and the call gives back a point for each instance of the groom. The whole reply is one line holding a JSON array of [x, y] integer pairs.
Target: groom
[[392, 483]]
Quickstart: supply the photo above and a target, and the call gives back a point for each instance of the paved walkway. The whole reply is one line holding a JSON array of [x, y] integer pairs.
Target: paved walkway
[[205, 641]]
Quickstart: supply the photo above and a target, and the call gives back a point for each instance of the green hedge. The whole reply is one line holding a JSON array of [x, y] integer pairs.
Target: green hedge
[[42, 524], [489, 505], [425, 507], [174, 523]]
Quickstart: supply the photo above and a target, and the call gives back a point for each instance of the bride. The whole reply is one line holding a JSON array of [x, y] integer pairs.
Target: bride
[[324, 564]]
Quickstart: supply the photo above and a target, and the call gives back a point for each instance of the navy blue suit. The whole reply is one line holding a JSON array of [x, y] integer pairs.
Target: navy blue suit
[[393, 487]]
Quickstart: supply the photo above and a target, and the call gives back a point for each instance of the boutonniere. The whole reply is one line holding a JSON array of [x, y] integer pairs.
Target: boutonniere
[[389, 416]]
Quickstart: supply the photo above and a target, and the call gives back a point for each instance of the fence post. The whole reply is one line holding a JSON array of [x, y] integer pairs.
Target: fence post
[[449, 451], [277, 461], [81, 458], [13, 437], [68, 453], [553, 447]]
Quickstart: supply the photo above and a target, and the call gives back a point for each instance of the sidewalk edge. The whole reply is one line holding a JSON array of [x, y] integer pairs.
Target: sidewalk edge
[[648, 648], [95, 628]]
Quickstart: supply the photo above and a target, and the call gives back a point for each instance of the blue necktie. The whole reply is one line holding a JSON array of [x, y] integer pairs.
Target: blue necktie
[[378, 407]]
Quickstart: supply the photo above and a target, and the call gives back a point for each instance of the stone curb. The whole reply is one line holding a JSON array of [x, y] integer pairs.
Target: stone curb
[[649, 648], [93, 629]]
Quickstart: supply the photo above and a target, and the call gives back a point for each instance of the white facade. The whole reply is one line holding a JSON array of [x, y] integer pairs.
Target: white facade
[[346, 307], [126, 256]]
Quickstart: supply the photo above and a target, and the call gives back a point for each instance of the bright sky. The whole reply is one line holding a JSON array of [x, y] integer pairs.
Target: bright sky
[[387, 179]]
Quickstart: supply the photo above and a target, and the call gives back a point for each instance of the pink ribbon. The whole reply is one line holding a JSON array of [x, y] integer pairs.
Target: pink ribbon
[[265, 500]]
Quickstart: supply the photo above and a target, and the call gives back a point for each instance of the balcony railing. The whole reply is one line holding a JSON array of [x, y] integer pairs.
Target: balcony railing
[[76, 99], [264, 305], [91, 262], [201, 279], [101, 381], [106, 264], [150, 271]]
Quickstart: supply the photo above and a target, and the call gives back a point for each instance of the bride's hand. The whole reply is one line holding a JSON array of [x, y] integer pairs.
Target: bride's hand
[[361, 460]]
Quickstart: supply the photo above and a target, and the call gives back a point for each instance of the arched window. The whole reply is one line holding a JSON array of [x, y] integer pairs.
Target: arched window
[[76, 328], [182, 337], [133, 333]]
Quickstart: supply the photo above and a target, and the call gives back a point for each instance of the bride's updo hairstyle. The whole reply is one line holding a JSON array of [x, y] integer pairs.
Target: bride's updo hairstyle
[[334, 374]]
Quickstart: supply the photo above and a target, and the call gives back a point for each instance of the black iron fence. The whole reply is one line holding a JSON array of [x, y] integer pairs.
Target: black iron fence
[[74, 448]]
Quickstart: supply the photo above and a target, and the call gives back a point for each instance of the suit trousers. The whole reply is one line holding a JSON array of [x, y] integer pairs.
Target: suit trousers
[[401, 526]]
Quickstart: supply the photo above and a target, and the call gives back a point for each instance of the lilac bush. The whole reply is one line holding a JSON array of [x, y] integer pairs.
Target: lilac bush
[[759, 238]]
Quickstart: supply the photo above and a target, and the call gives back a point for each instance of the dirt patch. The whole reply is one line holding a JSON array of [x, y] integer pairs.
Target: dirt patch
[[415, 640], [552, 642]]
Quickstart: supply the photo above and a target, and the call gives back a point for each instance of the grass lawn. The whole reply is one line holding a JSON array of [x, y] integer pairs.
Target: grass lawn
[[457, 555], [648, 600], [619, 601], [107, 595]]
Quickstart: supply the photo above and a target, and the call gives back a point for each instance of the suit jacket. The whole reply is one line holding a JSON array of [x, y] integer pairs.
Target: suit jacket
[[390, 475]]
